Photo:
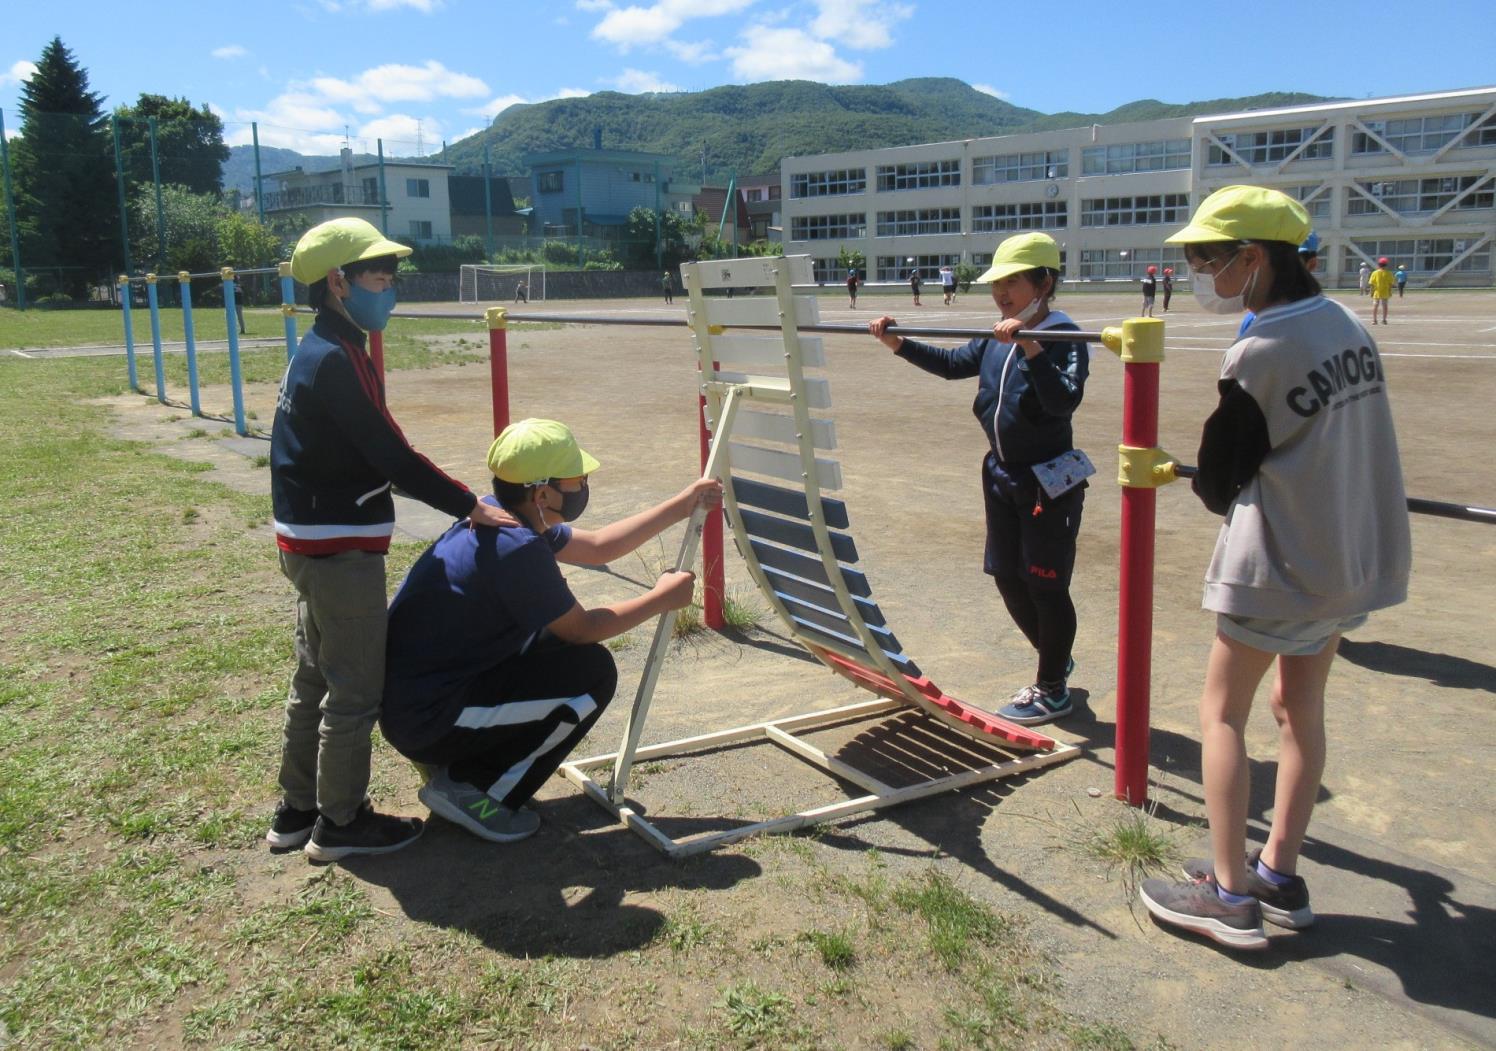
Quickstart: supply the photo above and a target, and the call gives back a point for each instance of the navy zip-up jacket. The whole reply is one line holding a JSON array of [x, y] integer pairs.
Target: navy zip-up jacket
[[1024, 405], [335, 450]]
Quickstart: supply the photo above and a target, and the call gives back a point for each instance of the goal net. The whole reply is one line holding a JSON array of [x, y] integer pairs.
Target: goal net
[[485, 283]]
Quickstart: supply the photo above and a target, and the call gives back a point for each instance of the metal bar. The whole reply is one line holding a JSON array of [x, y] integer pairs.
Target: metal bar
[[155, 304], [1417, 505], [665, 626], [190, 338], [849, 330], [236, 373]]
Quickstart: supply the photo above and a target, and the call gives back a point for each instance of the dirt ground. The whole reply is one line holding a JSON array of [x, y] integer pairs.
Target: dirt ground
[[1402, 954]]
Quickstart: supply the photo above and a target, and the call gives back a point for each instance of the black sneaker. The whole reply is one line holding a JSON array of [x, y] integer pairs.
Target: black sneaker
[[1286, 906], [290, 828], [370, 832], [1195, 906]]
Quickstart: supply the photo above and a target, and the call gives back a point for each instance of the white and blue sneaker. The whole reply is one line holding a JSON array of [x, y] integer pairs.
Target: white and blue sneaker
[[1034, 705]]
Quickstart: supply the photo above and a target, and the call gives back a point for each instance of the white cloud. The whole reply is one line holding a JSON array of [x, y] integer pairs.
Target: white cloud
[[400, 83], [424, 6], [496, 105], [594, 5], [789, 54], [403, 134], [228, 51], [861, 24], [637, 81], [694, 53], [988, 89], [573, 93], [628, 27], [18, 73]]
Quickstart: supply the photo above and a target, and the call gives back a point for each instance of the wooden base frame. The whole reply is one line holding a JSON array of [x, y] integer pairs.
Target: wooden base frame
[[995, 763]]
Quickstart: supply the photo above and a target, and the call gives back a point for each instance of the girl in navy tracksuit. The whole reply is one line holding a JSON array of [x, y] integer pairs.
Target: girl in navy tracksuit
[[1026, 393]]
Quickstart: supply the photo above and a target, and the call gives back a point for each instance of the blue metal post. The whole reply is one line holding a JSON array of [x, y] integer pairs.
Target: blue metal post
[[124, 297], [185, 279], [150, 294], [236, 377], [288, 309]]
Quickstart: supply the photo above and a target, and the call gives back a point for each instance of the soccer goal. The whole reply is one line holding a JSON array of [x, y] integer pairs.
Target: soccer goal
[[485, 283]]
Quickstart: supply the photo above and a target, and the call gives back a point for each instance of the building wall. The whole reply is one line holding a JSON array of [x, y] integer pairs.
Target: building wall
[[1111, 194], [609, 189]]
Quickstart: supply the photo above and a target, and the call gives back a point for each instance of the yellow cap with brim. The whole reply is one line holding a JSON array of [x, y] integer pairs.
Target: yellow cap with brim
[[336, 243], [1024, 252], [1246, 213], [532, 451]]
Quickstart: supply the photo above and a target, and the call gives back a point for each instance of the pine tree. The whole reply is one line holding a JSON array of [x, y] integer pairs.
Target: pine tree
[[64, 170]]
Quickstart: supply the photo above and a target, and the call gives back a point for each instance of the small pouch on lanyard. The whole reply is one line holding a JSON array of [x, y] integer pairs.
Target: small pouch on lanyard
[[1062, 474]]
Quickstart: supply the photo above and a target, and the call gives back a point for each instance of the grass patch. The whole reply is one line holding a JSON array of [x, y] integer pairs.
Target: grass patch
[[1133, 843], [833, 947], [956, 922], [755, 1013]]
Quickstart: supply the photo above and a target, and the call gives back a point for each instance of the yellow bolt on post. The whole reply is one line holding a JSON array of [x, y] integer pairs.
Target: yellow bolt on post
[[1144, 468], [283, 269], [1137, 340]]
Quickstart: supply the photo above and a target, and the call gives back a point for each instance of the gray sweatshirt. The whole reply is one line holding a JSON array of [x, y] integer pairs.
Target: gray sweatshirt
[[1301, 457]]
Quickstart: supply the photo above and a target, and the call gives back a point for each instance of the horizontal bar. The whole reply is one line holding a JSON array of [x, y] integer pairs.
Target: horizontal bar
[[847, 330], [800, 535], [1417, 505], [786, 501], [821, 595], [783, 428], [783, 465]]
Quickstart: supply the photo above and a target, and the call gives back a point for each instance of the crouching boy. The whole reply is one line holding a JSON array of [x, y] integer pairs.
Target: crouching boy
[[494, 671]]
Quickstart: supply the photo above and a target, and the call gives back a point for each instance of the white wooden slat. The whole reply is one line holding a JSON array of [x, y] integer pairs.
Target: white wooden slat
[[766, 351], [753, 271], [757, 310], [779, 427], [817, 391], [783, 465]]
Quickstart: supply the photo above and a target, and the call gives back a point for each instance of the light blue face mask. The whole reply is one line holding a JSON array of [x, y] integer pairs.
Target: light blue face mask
[[370, 311]]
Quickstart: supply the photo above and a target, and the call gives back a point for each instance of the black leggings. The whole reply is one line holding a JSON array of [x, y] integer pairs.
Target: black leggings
[[522, 719], [1031, 555]]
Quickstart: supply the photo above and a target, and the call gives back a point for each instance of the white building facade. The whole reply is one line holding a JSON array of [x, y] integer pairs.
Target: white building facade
[[1410, 178]]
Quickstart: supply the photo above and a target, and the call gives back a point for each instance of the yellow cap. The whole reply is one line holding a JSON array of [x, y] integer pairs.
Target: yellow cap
[[1020, 253], [1246, 213], [330, 245], [533, 451]]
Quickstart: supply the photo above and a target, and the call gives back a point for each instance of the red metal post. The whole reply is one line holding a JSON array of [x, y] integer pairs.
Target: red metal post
[[1135, 608], [711, 540], [376, 352], [498, 365]]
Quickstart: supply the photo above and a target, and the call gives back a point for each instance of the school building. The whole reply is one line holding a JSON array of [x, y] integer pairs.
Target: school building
[[1410, 178]]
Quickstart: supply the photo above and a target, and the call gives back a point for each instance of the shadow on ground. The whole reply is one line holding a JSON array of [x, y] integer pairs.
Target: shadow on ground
[[558, 894], [1441, 669]]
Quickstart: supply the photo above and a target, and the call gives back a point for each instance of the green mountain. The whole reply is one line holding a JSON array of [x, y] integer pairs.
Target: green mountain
[[749, 128]]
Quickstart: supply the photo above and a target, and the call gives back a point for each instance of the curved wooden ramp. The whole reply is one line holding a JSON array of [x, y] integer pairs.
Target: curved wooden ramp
[[772, 446]]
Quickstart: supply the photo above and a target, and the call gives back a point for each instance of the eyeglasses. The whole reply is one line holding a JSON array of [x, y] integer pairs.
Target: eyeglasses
[[1211, 267]]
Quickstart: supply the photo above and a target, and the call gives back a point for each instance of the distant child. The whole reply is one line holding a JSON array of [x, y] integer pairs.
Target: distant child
[[1381, 290], [948, 284], [1168, 284], [1363, 277], [1402, 280], [1289, 574], [667, 285], [852, 282], [914, 285], [335, 455], [1027, 391], [1150, 287]]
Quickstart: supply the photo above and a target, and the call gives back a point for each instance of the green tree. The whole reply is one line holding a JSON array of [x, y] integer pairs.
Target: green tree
[[850, 259], [191, 221], [638, 248], [189, 143], [64, 175], [244, 242], [965, 275]]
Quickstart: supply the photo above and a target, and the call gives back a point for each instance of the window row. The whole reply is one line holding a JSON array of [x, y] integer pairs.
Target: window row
[[847, 227], [1125, 158], [920, 175], [1099, 264], [1144, 210], [828, 184], [1268, 147], [1424, 134], [898, 268], [1040, 215], [1421, 256], [1020, 167], [920, 221], [1414, 196]]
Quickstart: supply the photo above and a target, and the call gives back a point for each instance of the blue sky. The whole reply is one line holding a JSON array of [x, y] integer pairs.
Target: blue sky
[[416, 72]]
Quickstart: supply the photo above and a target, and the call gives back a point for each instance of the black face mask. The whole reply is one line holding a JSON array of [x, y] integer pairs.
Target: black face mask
[[573, 504]]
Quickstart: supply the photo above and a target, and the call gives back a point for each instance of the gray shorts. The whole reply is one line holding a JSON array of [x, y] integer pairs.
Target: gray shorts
[[1291, 638]]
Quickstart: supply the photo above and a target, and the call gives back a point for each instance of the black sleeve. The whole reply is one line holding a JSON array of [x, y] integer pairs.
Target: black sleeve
[[351, 394], [957, 363], [1232, 447]]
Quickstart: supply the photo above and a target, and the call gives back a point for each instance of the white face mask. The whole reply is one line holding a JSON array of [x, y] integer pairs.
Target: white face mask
[[1205, 291], [1031, 311]]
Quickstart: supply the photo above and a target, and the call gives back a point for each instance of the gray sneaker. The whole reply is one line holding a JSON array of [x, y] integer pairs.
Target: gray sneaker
[[1197, 907], [1286, 906], [477, 811]]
